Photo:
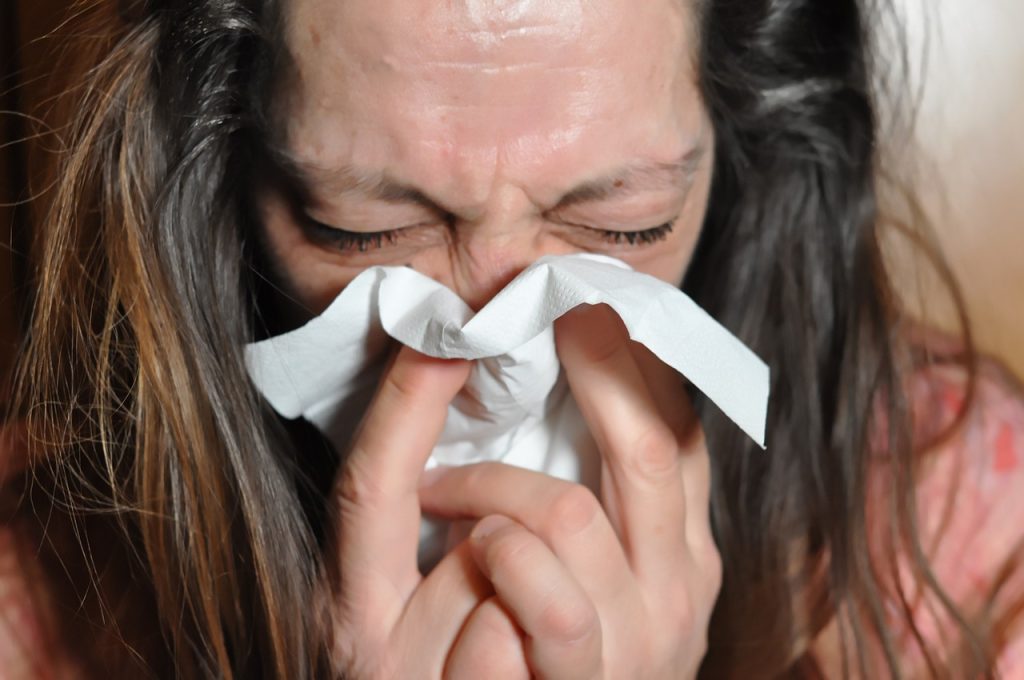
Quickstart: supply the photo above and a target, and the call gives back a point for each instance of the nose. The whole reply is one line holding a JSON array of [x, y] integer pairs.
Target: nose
[[489, 251], [485, 259]]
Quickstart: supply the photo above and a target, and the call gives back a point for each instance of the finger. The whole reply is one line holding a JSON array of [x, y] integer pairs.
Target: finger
[[566, 516], [490, 646], [669, 392], [376, 493], [642, 483], [668, 389], [444, 600], [561, 624]]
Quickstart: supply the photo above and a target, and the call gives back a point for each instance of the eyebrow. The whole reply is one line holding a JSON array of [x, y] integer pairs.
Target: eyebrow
[[646, 175], [378, 185]]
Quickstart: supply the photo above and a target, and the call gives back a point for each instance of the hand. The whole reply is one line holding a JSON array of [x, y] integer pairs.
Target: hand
[[389, 621], [620, 586]]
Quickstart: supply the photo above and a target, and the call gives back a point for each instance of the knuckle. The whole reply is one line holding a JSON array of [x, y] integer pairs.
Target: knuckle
[[655, 455], [477, 475], [508, 549], [574, 509], [570, 621], [356, 655], [357, 490], [602, 348]]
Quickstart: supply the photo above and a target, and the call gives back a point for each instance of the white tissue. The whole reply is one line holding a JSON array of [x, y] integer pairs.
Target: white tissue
[[515, 407]]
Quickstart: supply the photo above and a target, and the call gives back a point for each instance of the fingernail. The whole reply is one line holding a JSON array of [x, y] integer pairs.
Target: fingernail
[[488, 525], [433, 475]]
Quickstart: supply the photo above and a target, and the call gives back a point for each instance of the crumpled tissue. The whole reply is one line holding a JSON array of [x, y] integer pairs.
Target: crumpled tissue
[[515, 406]]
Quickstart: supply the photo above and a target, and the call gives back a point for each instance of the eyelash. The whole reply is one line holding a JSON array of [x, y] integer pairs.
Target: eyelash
[[353, 240], [636, 238], [362, 242]]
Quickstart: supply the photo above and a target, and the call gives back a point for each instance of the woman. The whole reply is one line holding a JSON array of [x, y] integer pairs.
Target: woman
[[234, 163]]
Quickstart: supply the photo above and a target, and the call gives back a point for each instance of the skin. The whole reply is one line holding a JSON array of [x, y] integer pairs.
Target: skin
[[494, 113], [479, 118]]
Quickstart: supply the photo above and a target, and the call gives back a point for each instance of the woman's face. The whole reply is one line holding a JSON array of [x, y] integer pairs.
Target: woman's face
[[469, 138]]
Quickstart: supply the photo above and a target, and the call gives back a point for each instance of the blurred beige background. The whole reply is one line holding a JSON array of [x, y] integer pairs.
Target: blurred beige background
[[968, 59], [966, 55]]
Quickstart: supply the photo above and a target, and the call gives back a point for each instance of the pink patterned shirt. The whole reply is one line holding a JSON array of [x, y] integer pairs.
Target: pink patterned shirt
[[970, 499]]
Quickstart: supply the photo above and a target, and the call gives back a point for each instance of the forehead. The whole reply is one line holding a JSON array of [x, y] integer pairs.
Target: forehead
[[471, 84]]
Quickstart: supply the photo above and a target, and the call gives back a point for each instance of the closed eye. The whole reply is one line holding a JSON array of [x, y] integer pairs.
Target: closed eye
[[354, 240], [365, 241], [636, 238]]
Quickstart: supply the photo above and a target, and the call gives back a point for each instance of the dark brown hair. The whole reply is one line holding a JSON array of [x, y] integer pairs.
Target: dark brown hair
[[791, 260]]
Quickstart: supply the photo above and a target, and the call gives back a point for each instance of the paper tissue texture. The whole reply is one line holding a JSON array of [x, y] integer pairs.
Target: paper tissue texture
[[515, 407]]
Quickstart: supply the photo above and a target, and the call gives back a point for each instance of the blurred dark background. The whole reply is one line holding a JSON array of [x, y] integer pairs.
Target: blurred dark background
[[26, 65]]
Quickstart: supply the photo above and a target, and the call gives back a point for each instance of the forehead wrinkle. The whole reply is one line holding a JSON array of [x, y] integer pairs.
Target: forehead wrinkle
[[382, 57], [463, 30], [643, 176], [496, 67], [347, 180], [317, 182], [494, 16], [500, 34]]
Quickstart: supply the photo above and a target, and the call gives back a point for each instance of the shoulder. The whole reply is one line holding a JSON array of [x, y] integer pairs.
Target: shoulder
[[971, 431], [970, 497], [972, 423]]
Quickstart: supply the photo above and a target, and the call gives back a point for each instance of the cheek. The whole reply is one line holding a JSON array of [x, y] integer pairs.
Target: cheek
[[305, 269]]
